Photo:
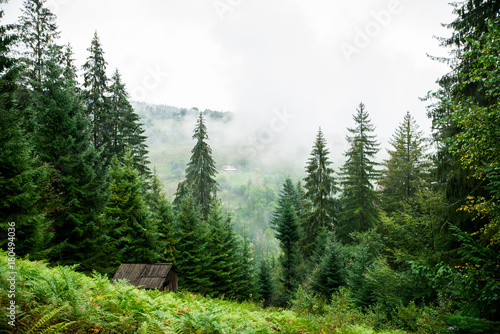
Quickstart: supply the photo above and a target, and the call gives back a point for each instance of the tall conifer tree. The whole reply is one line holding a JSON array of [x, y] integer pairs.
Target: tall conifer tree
[[63, 142], [320, 187], [20, 173], [407, 166], [359, 198], [96, 98], [126, 129], [287, 232], [200, 171], [38, 31]]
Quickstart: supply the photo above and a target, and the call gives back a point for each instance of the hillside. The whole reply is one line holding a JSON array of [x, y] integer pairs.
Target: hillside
[[60, 300], [249, 192]]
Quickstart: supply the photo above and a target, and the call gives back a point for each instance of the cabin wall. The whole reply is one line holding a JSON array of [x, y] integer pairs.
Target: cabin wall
[[172, 281]]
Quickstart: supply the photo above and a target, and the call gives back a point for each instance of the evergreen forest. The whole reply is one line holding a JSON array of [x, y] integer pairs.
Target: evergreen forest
[[90, 179]]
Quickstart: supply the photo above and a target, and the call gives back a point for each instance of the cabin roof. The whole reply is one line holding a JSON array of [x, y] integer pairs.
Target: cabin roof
[[147, 276]]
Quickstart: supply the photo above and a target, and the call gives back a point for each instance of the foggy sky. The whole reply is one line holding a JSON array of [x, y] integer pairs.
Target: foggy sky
[[285, 66]]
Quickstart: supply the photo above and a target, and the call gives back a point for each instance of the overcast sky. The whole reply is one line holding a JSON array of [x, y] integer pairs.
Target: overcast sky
[[312, 61]]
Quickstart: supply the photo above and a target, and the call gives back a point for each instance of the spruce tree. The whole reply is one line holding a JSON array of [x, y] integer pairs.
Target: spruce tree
[[201, 171], [20, 173], [287, 192], [223, 248], [287, 232], [97, 100], [320, 187], [63, 142], [193, 259], [406, 169], [359, 198], [38, 32], [69, 68], [135, 233], [126, 129]]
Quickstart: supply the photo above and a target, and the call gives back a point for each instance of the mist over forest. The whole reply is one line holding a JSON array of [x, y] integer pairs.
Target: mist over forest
[[275, 143]]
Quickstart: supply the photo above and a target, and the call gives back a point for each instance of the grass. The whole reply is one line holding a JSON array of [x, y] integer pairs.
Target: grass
[[61, 300]]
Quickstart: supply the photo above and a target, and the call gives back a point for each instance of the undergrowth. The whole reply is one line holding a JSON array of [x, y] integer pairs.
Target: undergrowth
[[61, 300]]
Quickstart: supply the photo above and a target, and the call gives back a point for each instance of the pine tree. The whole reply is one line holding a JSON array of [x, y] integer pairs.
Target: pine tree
[[359, 198], [406, 169], [63, 142], [287, 232], [126, 131], [38, 32], [329, 275], [96, 97], [193, 259], [19, 171], [201, 171], [320, 187]]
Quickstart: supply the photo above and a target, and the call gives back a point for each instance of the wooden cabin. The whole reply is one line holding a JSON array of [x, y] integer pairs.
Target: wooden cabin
[[160, 276]]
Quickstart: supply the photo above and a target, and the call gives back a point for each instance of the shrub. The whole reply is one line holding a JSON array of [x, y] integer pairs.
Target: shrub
[[425, 320], [307, 302], [342, 312]]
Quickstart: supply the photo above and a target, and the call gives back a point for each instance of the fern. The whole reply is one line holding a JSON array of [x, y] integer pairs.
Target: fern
[[101, 307], [57, 328], [48, 316], [144, 329], [154, 324], [178, 327]]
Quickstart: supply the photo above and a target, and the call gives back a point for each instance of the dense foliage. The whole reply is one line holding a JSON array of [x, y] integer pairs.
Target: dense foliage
[[55, 300], [408, 245]]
